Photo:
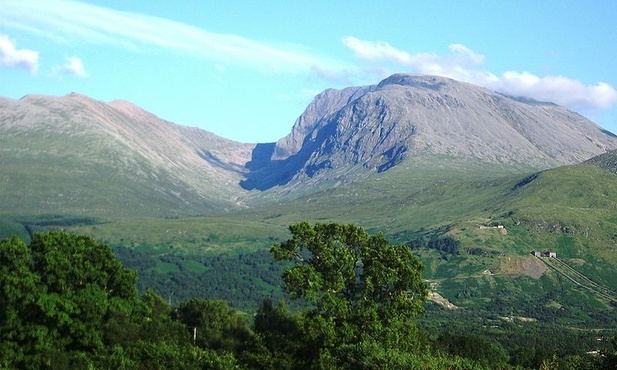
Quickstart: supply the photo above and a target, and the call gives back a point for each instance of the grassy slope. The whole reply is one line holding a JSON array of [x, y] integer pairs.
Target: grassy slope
[[52, 179], [572, 210], [422, 195]]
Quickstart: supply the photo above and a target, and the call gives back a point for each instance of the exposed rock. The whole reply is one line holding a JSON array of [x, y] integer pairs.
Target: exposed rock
[[379, 126]]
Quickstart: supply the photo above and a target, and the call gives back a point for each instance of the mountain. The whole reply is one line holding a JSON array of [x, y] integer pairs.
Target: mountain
[[77, 155], [74, 154], [432, 162], [406, 116]]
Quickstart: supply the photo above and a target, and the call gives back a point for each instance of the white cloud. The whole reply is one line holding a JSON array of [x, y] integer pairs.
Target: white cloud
[[370, 50], [465, 64], [73, 66], [11, 57], [68, 21], [561, 90], [466, 55]]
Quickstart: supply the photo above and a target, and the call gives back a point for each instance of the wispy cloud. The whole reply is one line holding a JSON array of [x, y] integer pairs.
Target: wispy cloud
[[11, 57], [465, 64], [73, 66], [68, 21]]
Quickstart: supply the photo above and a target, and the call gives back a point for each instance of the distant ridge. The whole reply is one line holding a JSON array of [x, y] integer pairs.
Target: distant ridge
[[74, 154]]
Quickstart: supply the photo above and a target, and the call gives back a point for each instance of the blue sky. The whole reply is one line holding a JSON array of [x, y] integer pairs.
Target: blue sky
[[246, 70]]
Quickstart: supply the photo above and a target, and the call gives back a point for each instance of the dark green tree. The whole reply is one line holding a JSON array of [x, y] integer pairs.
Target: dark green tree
[[360, 290], [67, 303], [56, 297], [278, 343], [214, 324], [83, 282], [20, 290], [609, 355], [480, 349]]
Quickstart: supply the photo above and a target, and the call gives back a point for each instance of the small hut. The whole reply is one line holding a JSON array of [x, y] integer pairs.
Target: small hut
[[550, 254]]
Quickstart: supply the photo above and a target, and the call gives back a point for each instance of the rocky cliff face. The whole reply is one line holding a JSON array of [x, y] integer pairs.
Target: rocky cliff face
[[314, 118], [404, 116]]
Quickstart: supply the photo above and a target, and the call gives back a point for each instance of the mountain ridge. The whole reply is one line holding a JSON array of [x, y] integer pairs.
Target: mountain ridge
[[342, 136], [607, 161], [91, 142]]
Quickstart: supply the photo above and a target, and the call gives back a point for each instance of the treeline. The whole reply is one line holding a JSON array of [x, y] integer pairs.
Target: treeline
[[67, 302], [526, 345], [242, 280], [445, 245]]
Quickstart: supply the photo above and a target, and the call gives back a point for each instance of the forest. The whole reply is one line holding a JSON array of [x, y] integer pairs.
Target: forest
[[350, 300]]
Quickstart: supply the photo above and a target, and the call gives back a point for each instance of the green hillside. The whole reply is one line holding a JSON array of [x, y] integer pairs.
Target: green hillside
[[473, 224], [449, 211]]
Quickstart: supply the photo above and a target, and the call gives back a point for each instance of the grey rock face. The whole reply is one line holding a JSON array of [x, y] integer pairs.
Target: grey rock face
[[608, 161], [407, 115]]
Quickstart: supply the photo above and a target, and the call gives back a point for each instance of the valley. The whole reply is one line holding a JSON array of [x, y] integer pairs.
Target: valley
[[469, 179]]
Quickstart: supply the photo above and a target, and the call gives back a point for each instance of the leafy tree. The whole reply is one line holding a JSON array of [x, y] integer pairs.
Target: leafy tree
[[610, 355], [150, 319], [66, 302], [19, 290], [214, 324], [359, 289], [83, 282], [481, 349], [278, 343], [55, 298]]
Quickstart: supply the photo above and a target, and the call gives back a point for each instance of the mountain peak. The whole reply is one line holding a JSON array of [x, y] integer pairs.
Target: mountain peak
[[435, 83], [131, 110], [407, 115]]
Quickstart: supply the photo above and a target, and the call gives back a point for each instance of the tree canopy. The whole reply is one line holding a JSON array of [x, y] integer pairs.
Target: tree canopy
[[67, 302], [360, 290]]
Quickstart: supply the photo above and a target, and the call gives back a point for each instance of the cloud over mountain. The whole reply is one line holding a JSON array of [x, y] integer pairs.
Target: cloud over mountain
[[73, 66]]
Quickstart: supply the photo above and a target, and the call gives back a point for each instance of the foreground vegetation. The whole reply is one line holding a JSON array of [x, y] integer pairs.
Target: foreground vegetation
[[67, 302]]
